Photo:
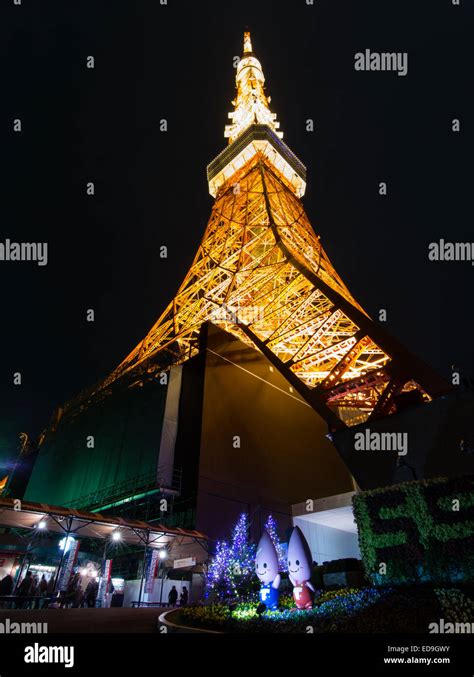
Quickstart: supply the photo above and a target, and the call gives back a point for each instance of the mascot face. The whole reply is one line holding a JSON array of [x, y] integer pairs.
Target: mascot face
[[300, 563], [266, 561]]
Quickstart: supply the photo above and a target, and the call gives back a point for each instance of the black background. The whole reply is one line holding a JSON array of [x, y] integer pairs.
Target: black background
[[176, 62], [108, 652]]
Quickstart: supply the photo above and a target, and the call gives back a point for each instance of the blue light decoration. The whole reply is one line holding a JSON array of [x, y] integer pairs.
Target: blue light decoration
[[232, 566], [266, 568], [271, 528], [218, 580], [300, 569], [338, 609]]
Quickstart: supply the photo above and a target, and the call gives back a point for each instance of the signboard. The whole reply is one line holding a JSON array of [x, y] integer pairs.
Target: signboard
[[152, 560], [68, 563], [186, 562]]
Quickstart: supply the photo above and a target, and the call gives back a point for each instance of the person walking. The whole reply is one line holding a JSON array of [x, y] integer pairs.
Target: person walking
[[109, 594], [34, 592], [173, 596], [90, 594], [51, 585], [43, 586], [6, 588], [6, 585], [42, 590], [183, 600], [25, 586], [34, 586], [24, 589], [71, 595]]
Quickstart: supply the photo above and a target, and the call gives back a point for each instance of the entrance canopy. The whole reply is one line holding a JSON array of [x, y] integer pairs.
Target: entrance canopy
[[52, 519]]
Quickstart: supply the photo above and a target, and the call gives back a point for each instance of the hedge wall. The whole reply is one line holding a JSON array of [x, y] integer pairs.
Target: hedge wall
[[421, 531]]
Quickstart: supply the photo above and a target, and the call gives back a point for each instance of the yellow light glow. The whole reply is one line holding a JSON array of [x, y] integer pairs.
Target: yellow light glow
[[251, 105], [262, 274]]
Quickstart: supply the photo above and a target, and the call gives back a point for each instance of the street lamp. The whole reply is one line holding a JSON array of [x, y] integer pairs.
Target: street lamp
[[163, 554], [65, 544]]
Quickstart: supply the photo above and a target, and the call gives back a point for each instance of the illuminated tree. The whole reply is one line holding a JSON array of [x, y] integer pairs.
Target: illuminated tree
[[271, 528], [218, 580], [231, 572]]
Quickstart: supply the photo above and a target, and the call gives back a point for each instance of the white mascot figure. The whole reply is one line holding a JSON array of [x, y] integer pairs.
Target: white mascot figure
[[266, 568], [300, 567]]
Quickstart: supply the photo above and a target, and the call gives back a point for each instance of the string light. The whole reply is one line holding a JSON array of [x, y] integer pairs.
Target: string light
[[271, 528], [232, 567]]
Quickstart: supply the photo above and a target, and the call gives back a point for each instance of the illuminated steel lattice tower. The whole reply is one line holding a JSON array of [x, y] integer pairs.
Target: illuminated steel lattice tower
[[262, 274]]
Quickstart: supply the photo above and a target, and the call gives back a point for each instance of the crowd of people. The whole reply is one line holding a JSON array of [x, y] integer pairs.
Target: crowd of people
[[34, 590], [76, 596], [30, 586], [173, 596]]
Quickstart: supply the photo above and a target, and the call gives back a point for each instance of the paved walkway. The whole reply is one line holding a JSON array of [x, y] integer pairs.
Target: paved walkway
[[88, 620]]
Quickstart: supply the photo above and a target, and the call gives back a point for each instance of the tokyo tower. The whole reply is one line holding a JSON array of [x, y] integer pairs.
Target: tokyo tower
[[261, 273]]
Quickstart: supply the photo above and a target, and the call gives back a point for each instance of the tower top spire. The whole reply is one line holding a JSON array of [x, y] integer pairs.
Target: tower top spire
[[247, 43], [251, 105]]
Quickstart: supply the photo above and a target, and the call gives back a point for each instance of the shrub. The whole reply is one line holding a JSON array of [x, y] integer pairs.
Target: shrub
[[317, 576], [457, 607], [339, 565], [366, 610]]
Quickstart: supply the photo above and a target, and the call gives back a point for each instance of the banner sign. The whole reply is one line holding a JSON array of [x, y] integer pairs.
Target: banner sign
[[152, 560], [105, 572], [68, 564], [21, 570]]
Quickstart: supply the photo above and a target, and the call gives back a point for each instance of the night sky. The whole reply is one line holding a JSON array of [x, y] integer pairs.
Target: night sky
[[176, 62]]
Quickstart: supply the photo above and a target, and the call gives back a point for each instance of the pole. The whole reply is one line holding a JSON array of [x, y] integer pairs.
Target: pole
[[68, 531], [24, 565], [162, 582], [102, 571], [143, 570]]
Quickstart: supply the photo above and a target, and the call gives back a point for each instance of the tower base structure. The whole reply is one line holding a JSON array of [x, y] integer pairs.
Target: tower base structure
[[434, 439], [224, 433]]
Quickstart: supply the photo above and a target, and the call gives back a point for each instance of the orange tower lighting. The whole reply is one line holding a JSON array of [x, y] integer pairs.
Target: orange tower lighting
[[261, 273]]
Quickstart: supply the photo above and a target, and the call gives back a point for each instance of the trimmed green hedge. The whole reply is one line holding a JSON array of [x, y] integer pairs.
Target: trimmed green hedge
[[336, 566], [418, 531]]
